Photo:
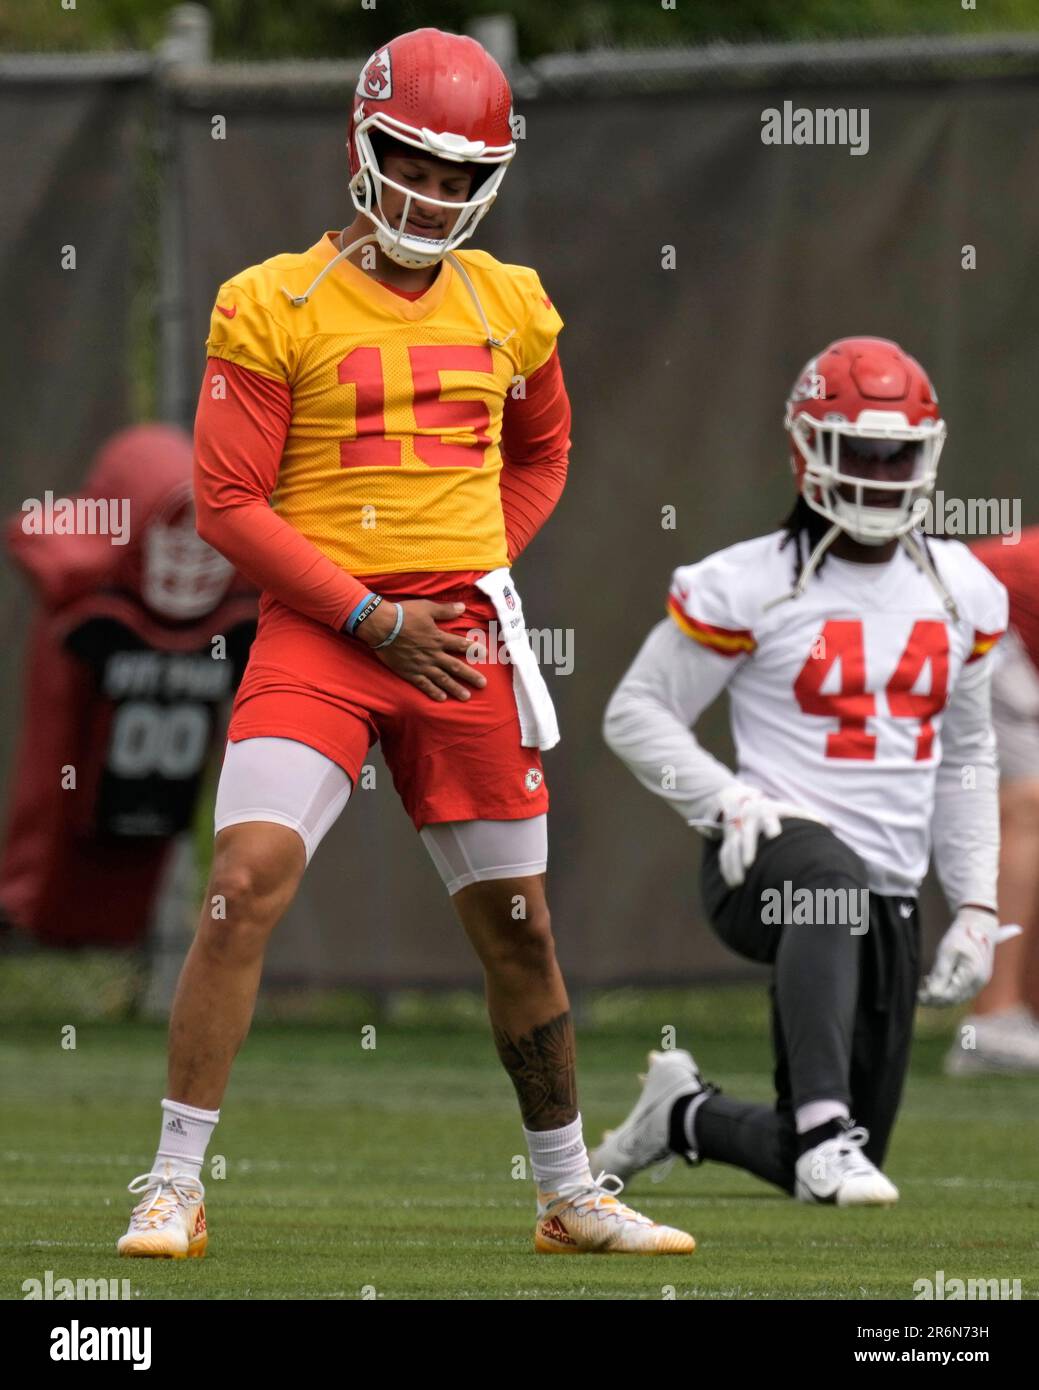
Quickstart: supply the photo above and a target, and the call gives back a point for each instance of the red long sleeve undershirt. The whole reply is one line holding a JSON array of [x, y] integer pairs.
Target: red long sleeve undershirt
[[240, 433]]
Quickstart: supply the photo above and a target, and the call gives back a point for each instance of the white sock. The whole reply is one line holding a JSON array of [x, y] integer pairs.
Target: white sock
[[817, 1112], [557, 1156], [185, 1134]]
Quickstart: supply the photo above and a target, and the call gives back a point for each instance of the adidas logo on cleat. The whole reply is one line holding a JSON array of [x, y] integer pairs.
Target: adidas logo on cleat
[[555, 1230]]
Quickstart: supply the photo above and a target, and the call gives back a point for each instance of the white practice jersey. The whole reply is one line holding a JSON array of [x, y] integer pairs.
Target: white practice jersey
[[838, 697]]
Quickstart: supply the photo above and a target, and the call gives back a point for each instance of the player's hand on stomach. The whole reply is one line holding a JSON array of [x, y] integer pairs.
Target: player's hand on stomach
[[422, 652], [965, 957]]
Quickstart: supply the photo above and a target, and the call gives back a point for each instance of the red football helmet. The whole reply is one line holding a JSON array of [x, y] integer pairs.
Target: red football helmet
[[444, 94], [864, 423]]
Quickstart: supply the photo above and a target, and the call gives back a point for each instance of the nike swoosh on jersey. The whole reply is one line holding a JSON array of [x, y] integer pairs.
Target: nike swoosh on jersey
[[228, 313]]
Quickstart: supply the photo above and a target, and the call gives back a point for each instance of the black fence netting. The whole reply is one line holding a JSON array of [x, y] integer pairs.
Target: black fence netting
[[696, 267]]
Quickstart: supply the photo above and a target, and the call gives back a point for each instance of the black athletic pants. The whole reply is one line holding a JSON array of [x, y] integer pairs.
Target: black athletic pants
[[842, 1003]]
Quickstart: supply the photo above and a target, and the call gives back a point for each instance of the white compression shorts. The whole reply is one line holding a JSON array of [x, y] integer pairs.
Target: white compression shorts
[[291, 784]]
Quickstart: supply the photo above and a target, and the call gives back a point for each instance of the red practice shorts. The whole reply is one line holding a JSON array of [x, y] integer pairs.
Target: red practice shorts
[[450, 760]]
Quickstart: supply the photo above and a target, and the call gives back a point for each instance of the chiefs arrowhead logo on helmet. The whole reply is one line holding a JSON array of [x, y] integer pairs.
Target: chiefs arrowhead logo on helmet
[[376, 79], [810, 386]]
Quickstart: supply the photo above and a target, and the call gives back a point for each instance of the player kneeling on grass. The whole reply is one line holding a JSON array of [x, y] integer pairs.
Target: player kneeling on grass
[[368, 386], [860, 714]]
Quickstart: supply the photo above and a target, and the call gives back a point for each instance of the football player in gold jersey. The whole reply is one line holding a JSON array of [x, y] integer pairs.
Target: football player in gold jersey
[[382, 428]]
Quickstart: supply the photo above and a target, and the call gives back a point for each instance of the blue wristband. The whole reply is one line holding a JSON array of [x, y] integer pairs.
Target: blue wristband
[[367, 606]]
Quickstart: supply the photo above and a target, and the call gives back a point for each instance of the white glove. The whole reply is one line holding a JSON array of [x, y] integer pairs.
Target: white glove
[[963, 962], [746, 815]]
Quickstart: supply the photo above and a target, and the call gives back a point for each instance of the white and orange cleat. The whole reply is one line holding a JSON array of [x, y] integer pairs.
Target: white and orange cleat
[[169, 1222], [587, 1219]]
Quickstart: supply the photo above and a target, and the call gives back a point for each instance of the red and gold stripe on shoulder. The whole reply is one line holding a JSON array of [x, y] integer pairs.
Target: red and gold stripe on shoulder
[[983, 644], [728, 641]]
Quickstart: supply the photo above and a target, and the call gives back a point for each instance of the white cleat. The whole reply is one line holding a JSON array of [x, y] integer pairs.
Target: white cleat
[[585, 1218], [169, 1222], [642, 1139], [1001, 1043], [838, 1172]]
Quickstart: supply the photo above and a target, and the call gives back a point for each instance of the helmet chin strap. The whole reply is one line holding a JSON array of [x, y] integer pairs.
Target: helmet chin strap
[[298, 300], [864, 538], [907, 540], [460, 268], [811, 565], [848, 513], [410, 260], [920, 554]]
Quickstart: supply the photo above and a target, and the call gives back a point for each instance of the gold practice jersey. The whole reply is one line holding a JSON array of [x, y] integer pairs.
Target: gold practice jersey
[[392, 459]]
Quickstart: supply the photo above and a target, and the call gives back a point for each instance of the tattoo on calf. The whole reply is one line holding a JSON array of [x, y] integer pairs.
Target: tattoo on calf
[[541, 1064]]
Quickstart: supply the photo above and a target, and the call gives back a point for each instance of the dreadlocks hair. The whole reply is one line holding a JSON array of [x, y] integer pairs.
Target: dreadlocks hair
[[804, 529]]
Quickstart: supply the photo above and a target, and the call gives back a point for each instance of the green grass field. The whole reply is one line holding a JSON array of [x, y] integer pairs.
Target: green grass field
[[390, 1169]]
